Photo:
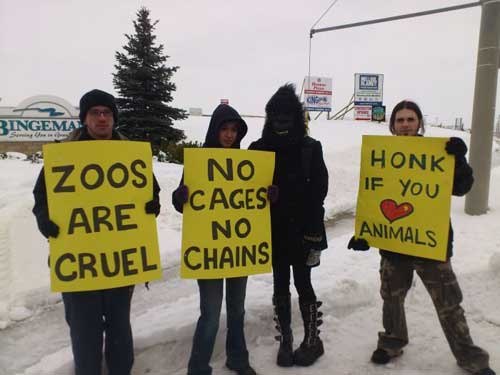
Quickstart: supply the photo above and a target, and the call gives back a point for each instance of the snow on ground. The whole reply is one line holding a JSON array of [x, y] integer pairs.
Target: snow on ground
[[35, 338]]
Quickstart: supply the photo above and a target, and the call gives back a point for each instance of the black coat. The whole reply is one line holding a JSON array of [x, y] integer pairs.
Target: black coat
[[41, 210], [299, 210], [462, 183]]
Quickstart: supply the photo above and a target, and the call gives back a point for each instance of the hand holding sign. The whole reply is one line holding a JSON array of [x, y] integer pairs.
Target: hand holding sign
[[48, 228], [153, 207], [456, 146], [358, 244]]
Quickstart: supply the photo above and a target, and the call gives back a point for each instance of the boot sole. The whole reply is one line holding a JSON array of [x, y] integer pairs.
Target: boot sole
[[283, 363], [309, 363]]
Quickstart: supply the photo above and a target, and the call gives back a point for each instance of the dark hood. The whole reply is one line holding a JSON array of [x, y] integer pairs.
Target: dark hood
[[224, 113], [285, 101]]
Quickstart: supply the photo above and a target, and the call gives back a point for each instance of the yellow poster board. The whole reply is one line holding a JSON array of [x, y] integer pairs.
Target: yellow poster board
[[97, 191], [404, 195], [226, 228]]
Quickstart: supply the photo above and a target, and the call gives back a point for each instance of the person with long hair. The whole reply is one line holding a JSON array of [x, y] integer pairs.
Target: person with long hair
[[396, 270]]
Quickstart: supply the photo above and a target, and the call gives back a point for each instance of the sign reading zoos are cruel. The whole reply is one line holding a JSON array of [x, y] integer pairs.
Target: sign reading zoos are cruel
[[226, 222], [97, 191], [405, 194]]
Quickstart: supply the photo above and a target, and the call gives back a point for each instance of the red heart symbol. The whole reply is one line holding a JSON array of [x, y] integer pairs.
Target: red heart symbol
[[392, 211]]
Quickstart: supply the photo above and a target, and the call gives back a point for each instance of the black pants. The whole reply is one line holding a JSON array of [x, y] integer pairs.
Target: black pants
[[301, 278], [90, 315]]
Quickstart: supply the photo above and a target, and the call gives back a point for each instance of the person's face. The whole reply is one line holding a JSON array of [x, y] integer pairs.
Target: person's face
[[99, 121], [406, 122], [228, 133]]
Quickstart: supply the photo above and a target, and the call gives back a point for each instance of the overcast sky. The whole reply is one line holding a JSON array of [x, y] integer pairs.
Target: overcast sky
[[244, 50]]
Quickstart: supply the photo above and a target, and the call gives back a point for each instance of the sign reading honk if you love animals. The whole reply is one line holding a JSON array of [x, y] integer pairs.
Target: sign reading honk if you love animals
[[405, 195]]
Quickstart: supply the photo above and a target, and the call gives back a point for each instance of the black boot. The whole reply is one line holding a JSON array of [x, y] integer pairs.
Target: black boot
[[312, 347], [283, 317]]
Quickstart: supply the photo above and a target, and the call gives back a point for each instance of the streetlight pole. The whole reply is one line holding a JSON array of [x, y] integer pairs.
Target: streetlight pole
[[483, 112]]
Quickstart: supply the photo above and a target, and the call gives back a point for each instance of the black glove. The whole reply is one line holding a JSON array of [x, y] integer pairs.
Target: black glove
[[48, 228], [455, 146], [358, 244], [153, 207], [181, 194]]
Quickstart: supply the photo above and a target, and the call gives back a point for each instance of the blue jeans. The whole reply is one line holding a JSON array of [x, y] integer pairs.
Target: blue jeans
[[211, 293]]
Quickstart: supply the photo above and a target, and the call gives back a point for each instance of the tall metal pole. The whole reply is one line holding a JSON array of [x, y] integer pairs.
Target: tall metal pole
[[483, 112]]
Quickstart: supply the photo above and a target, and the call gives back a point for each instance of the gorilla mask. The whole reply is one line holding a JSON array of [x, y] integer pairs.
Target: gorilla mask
[[281, 123], [284, 113]]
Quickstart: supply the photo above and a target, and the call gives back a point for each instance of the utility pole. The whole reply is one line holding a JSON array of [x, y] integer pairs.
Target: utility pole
[[483, 112]]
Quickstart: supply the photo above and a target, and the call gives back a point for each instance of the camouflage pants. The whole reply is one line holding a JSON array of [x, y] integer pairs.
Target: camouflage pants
[[441, 283]]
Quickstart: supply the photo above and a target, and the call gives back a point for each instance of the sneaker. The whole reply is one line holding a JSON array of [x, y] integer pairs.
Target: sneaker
[[248, 370], [381, 356], [485, 371]]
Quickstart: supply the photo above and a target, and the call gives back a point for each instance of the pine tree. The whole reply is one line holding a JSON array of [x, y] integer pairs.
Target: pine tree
[[143, 83]]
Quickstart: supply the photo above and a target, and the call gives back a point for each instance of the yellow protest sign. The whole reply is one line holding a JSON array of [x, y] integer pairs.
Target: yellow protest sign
[[404, 195], [97, 191], [226, 228]]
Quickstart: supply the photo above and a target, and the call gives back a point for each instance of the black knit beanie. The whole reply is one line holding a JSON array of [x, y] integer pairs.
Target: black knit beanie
[[94, 98]]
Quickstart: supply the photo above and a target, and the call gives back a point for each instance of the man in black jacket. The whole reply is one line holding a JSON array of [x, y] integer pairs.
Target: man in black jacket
[[298, 231], [91, 313]]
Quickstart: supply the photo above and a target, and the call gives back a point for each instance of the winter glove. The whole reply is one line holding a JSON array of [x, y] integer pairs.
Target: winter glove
[[313, 258], [181, 194], [273, 193], [455, 146], [358, 244], [153, 207], [48, 228]]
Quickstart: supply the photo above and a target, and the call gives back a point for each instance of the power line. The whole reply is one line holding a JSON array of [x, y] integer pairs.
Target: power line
[[324, 13]]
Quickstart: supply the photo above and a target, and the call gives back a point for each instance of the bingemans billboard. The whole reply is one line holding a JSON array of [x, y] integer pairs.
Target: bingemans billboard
[[41, 118]]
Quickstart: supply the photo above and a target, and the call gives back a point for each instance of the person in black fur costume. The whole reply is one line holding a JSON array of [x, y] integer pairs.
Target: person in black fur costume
[[300, 183]]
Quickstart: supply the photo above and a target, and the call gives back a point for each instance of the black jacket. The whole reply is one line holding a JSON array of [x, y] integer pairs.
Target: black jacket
[[222, 114], [41, 210], [303, 185], [462, 183]]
